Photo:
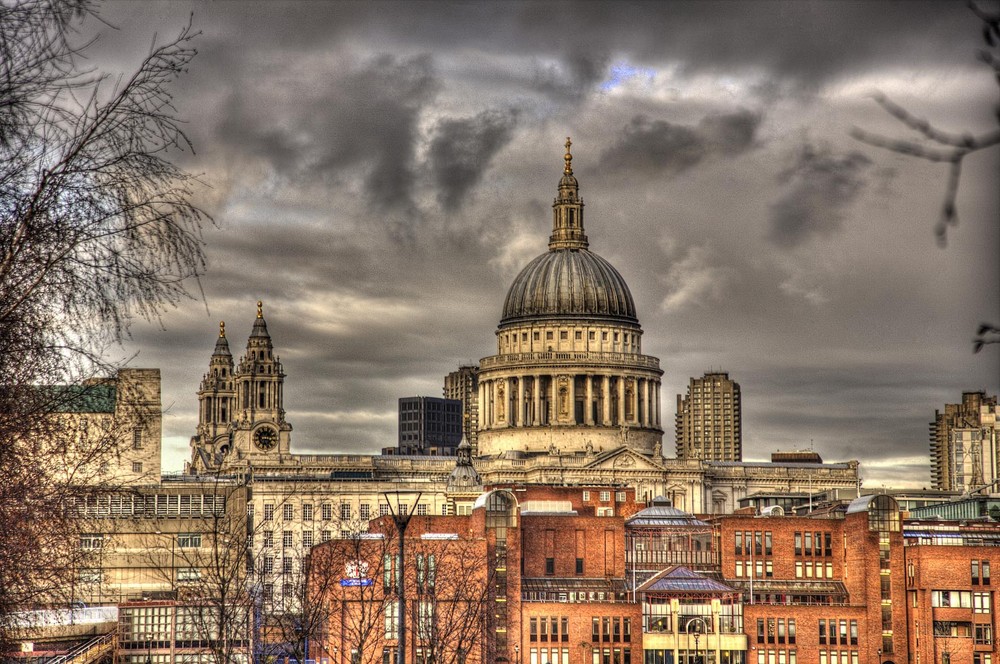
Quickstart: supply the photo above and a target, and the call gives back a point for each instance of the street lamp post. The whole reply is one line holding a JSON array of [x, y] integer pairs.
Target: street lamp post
[[402, 521], [702, 627]]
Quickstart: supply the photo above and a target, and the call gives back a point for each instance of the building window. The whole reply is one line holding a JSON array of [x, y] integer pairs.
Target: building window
[[268, 539], [287, 512], [307, 538], [345, 511], [422, 509], [391, 619], [579, 565], [550, 566], [286, 565], [137, 439], [307, 512], [188, 574], [365, 511], [620, 496], [91, 541], [269, 512], [605, 496], [586, 496], [286, 539], [188, 540], [136, 466], [326, 512]]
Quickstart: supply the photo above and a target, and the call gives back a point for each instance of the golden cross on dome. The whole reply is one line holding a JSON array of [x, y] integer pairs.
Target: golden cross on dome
[[260, 309], [568, 157], [222, 329]]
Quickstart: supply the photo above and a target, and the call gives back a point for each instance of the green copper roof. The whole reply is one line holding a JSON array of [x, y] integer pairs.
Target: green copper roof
[[81, 398]]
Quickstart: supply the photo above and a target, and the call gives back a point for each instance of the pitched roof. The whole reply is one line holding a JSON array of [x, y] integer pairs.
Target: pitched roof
[[680, 579]]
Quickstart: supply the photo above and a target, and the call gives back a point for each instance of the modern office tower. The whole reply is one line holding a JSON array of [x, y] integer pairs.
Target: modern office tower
[[429, 425], [463, 385], [708, 424], [964, 443]]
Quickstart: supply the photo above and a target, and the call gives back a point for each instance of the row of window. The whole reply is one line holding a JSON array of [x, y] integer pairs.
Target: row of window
[[980, 572], [776, 656], [810, 570], [838, 657], [149, 505], [345, 512], [545, 628], [838, 632], [764, 568], [980, 602], [611, 629], [564, 336], [184, 540], [754, 543], [776, 630], [605, 496], [288, 538], [813, 544]]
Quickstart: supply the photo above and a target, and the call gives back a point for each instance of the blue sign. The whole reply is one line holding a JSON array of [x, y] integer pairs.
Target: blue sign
[[355, 582]]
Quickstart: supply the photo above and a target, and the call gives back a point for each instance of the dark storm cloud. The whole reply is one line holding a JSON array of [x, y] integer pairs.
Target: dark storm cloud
[[575, 76], [364, 120], [819, 189], [661, 146], [462, 149]]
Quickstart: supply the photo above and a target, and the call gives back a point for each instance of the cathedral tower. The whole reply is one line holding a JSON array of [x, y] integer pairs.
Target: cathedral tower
[[569, 373], [259, 425], [217, 397]]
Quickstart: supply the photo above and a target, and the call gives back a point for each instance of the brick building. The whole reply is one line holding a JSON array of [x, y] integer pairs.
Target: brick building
[[590, 578]]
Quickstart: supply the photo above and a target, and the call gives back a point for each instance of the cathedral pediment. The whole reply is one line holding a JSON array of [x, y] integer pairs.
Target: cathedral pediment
[[625, 459]]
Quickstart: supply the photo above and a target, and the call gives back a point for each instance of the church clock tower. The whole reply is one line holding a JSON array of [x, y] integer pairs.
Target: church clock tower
[[217, 398], [259, 428]]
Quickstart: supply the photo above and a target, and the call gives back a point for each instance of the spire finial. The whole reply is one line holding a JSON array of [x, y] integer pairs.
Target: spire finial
[[260, 309], [568, 158], [222, 329]]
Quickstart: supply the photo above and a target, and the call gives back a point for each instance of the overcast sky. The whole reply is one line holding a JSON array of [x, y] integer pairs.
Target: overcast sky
[[379, 173]]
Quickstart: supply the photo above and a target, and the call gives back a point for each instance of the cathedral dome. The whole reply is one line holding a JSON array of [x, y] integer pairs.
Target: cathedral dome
[[569, 282]]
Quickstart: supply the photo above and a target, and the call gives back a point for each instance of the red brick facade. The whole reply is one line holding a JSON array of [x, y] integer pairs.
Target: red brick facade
[[862, 588]]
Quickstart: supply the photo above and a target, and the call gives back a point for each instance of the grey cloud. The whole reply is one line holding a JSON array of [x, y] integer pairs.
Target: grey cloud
[[364, 121], [462, 150], [661, 146], [573, 78], [819, 188]]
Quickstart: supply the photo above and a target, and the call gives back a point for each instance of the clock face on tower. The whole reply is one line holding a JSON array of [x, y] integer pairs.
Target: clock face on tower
[[265, 438]]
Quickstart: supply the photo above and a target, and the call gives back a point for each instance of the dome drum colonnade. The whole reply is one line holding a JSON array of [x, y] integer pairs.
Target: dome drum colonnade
[[569, 373]]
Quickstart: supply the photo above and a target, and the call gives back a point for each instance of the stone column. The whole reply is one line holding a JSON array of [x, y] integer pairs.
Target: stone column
[[643, 412], [656, 403], [487, 404], [553, 399], [572, 399], [522, 407], [621, 400], [606, 402], [537, 394], [635, 402], [588, 407]]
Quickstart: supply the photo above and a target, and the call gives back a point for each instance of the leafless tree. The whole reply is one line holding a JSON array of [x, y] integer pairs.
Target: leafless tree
[[358, 615], [96, 227], [937, 145], [450, 613]]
